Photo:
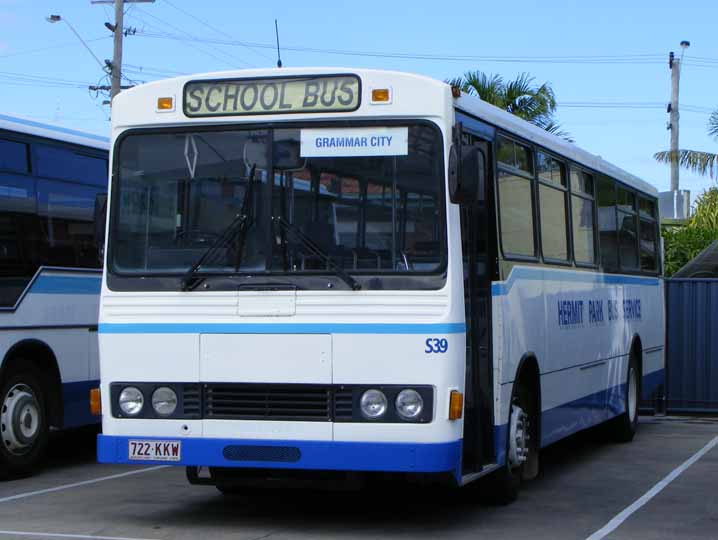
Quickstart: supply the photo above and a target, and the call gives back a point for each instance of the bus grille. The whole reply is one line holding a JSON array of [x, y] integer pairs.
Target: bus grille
[[343, 405], [267, 402], [191, 401]]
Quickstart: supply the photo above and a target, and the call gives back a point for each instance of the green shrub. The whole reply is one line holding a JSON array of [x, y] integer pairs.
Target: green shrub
[[683, 243]]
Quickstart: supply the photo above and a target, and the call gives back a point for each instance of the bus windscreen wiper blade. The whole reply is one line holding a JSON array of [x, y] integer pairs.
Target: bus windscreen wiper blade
[[237, 228], [317, 251]]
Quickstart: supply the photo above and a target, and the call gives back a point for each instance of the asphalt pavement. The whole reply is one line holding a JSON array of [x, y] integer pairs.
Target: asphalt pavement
[[661, 486]]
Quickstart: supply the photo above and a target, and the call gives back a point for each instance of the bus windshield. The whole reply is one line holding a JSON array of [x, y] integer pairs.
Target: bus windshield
[[335, 206]]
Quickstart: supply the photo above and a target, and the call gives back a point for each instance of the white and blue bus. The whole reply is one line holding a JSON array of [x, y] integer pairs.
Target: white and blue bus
[[51, 180], [340, 271]]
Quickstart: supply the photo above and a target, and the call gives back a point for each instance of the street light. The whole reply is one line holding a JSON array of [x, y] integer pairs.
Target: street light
[[57, 18]]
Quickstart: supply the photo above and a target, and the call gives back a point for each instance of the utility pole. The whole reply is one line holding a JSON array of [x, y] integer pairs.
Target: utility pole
[[116, 75], [674, 65], [118, 30]]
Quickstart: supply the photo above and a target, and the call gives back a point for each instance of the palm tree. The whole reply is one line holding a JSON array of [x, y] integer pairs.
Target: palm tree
[[702, 163], [535, 104]]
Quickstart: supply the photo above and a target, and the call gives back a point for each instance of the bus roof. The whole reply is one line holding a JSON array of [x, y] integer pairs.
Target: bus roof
[[526, 130], [39, 129]]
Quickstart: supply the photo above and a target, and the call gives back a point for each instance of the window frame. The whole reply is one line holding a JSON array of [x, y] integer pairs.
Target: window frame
[[498, 167], [593, 200], [566, 207], [654, 220], [28, 161], [30, 140], [622, 213], [570, 192], [432, 280]]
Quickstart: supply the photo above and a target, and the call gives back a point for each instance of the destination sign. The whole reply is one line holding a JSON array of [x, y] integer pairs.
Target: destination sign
[[334, 93]]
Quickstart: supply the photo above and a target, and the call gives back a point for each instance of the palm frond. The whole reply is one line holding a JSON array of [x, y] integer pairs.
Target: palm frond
[[490, 88], [520, 96], [554, 127], [532, 103], [713, 124], [701, 163], [456, 81]]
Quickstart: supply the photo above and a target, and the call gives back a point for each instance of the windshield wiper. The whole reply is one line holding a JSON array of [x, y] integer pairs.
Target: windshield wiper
[[238, 228], [318, 252]]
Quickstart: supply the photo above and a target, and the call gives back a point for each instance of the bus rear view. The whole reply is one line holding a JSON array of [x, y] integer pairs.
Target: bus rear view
[[277, 289]]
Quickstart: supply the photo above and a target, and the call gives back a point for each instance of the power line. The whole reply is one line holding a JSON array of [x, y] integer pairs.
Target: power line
[[153, 70], [578, 59], [40, 80], [630, 105], [186, 36], [50, 47], [214, 28]]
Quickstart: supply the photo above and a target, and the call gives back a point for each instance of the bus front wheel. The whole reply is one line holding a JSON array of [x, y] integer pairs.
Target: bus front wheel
[[23, 423], [521, 458]]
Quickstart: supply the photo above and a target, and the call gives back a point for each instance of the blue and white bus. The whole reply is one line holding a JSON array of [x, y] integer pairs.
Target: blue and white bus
[[312, 273], [51, 180]]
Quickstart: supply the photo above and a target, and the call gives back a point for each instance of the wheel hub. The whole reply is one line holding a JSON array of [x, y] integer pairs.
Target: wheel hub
[[518, 437], [19, 419]]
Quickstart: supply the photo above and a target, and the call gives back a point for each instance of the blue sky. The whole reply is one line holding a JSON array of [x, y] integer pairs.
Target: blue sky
[[30, 46]]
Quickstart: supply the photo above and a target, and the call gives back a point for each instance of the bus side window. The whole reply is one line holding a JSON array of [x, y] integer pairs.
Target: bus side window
[[553, 193], [628, 229], [515, 198], [582, 217], [607, 221], [648, 232]]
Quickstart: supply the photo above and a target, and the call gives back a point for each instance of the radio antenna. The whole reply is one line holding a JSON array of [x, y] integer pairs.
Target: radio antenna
[[276, 33]]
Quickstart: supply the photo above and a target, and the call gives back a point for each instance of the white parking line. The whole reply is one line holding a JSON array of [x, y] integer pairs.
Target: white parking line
[[78, 484], [62, 535], [612, 525]]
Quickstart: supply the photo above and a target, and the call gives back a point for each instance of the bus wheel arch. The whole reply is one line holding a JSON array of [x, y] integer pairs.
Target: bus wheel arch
[[36, 356], [623, 427], [636, 352], [528, 379], [502, 485]]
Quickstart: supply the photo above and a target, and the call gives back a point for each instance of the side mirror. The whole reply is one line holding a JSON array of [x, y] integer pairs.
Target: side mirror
[[100, 218], [467, 180]]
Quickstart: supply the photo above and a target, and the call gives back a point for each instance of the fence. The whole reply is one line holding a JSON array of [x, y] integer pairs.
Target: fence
[[691, 346]]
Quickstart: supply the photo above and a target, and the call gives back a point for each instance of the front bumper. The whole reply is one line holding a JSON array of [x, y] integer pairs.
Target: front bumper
[[302, 455]]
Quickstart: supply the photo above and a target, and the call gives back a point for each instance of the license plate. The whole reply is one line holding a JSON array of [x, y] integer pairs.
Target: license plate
[[155, 450]]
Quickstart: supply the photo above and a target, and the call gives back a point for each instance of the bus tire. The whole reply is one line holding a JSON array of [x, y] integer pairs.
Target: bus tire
[[502, 486], [24, 427], [623, 428]]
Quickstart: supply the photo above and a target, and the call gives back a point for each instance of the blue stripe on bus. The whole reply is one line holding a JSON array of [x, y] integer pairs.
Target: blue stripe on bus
[[59, 129], [529, 273], [280, 328], [49, 284], [591, 410], [76, 403], [312, 455]]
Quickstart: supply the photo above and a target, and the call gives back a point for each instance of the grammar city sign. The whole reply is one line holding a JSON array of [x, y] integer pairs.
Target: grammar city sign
[[369, 141]]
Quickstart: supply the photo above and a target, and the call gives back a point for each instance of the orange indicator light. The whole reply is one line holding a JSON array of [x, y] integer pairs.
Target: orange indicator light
[[456, 405], [380, 94], [95, 402], [165, 104]]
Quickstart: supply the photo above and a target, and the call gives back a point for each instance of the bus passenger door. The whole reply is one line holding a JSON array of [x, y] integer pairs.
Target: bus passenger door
[[479, 261]]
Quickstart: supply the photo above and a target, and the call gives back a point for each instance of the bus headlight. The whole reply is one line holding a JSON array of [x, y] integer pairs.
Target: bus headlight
[[373, 403], [131, 401], [409, 404], [164, 401]]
